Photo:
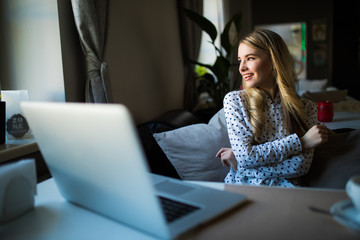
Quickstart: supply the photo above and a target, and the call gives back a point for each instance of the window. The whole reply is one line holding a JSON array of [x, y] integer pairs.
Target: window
[[213, 11], [33, 50]]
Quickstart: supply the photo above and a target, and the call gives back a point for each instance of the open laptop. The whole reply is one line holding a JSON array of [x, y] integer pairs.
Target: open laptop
[[94, 155]]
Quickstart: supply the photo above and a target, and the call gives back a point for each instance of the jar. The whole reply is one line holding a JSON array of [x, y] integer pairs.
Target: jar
[[325, 111]]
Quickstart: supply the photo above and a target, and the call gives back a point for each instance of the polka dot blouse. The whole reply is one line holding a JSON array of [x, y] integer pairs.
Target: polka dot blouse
[[279, 161]]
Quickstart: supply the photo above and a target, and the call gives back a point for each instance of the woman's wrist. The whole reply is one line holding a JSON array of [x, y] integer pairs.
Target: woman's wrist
[[302, 144]]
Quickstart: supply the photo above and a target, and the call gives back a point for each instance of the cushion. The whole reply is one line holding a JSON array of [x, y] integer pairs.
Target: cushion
[[335, 95], [192, 149], [306, 85], [335, 161]]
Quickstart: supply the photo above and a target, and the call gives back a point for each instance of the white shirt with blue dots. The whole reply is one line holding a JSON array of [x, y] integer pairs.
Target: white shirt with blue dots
[[279, 160]]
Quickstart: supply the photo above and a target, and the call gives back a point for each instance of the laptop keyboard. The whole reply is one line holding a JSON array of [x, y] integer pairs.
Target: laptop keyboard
[[174, 210]]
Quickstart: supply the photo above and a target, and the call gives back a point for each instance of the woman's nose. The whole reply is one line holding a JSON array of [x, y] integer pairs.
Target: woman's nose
[[242, 66]]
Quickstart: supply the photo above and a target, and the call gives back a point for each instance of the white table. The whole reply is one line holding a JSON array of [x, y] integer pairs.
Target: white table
[[344, 120], [271, 213], [54, 218]]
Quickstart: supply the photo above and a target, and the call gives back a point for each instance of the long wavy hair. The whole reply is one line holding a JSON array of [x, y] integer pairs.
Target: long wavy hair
[[284, 73]]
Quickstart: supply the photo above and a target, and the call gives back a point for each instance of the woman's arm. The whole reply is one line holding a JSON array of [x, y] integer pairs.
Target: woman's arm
[[249, 155], [295, 166]]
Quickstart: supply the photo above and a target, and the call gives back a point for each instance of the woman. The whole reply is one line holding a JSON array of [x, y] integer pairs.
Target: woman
[[271, 130]]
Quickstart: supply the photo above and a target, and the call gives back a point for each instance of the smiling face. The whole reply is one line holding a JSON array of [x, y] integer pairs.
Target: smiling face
[[256, 68]]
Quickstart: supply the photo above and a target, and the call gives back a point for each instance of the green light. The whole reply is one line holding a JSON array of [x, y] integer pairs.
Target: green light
[[303, 41]]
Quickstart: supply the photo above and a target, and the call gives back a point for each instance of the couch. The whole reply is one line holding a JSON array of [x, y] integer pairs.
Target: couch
[[182, 145]]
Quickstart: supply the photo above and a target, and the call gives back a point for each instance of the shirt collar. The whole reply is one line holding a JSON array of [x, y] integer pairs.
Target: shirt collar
[[276, 101]]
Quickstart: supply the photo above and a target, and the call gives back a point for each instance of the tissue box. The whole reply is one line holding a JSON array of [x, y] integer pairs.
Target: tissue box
[[17, 189]]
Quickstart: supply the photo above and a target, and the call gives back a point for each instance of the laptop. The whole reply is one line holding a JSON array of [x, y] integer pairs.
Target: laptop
[[96, 159]]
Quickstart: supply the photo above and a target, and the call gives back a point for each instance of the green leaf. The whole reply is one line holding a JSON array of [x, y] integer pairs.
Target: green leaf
[[201, 64], [221, 67], [202, 22], [208, 79], [206, 83], [225, 41], [200, 70]]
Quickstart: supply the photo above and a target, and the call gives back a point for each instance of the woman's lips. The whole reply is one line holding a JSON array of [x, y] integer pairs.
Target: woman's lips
[[247, 76]]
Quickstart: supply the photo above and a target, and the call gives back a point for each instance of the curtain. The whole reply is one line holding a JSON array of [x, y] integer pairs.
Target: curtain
[[91, 23], [190, 41]]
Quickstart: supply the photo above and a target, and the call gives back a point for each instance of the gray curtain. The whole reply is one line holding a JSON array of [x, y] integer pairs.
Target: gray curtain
[[91, 22], [190, 41]]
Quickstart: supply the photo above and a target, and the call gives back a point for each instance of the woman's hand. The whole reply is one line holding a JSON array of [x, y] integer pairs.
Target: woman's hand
[[315, 136], [227, 157]]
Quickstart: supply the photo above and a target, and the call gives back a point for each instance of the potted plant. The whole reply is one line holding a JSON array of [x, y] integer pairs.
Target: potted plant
[[215, 79]]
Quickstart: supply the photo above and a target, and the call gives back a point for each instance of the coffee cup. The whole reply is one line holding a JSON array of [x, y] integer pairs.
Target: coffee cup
[[353, 191], [325, 111]]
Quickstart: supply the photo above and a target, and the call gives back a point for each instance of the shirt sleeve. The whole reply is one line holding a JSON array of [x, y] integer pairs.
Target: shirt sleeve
[[282, 156], [295, 166], [298, 165], [311, 113]]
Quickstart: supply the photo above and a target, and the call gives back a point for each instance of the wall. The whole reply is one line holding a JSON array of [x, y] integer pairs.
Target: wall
[[346, 57], [144, 56]]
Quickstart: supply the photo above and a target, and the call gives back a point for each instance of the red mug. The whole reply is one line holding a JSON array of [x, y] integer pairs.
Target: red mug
[[325, 111]]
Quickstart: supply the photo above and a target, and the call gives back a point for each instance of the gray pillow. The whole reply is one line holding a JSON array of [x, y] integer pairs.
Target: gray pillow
[[192, 149]]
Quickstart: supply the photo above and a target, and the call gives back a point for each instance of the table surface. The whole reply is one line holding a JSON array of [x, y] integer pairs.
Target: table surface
[[345, 120], [17, 148], [269, 213]]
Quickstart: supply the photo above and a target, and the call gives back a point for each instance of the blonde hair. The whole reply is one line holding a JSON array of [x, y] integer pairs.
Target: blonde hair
[[284, 73]]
